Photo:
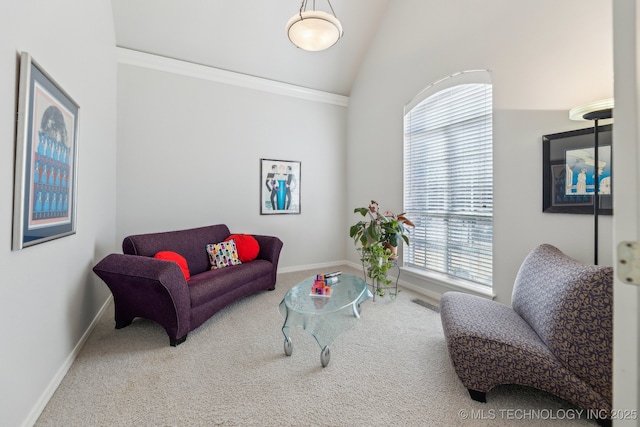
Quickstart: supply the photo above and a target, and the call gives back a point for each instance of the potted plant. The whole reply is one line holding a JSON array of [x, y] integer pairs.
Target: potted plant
[[388, 228], [378, 238]]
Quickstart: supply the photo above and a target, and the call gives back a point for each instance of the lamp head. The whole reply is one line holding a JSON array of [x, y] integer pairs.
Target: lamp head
[[599, 115], [597, 110]]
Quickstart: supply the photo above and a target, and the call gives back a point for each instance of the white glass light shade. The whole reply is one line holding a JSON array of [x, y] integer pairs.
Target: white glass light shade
[[579, 112], [314, 30]]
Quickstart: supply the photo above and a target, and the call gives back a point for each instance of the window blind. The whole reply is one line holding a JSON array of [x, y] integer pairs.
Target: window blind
[[448, 182]]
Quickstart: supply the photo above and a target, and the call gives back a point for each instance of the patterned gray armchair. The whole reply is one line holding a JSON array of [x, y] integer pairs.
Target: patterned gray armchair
[[556, 337]]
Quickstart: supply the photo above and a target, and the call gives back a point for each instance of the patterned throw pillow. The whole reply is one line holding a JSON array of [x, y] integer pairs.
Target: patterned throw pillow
[[223, 254]]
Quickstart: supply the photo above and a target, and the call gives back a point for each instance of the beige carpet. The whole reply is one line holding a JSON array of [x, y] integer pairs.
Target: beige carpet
[[392, 368]]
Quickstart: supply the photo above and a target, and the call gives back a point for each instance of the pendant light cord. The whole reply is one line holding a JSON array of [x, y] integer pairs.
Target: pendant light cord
[[303, 7], [331, 7]]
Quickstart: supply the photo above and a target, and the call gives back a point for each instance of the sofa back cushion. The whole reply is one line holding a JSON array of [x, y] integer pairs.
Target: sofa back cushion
[[569, 305], [190, 243]]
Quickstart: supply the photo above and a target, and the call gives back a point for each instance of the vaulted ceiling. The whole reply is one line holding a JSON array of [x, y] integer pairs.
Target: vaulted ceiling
[[248, 37]]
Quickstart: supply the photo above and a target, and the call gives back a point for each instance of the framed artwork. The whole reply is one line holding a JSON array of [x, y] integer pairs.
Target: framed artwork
[[45, 183], [568, 162], [279, 187]]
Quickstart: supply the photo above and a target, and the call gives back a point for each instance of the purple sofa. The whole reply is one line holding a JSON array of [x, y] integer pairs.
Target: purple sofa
[[143, 286], [557, 336]]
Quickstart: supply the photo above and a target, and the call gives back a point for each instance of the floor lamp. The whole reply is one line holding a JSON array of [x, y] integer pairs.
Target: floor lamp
[[595, 111]]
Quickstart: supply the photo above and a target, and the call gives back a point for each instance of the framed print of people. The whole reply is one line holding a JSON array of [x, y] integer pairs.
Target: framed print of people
[[279, 187]]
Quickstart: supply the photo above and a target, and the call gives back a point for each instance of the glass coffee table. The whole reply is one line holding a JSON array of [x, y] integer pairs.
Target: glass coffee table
[[325, 318]]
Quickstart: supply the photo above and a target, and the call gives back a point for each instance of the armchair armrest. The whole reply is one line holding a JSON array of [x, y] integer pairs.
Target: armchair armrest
[[150, 288]]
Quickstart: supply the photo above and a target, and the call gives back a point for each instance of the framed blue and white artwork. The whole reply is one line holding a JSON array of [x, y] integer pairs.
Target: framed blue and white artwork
[[569, 171], [45, 182], [279, 187]]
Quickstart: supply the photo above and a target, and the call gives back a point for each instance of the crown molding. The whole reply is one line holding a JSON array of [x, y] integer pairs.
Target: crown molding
[[175, 66]]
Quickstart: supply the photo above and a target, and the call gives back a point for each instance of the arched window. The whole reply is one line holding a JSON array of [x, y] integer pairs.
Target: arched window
[[448, 177]]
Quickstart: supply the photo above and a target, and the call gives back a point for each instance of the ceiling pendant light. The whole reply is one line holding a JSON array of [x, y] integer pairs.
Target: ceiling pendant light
[[314, 30]]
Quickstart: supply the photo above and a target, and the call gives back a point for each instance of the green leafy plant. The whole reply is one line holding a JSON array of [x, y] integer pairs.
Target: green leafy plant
[[383, 228], [376, 259], [376, 237]]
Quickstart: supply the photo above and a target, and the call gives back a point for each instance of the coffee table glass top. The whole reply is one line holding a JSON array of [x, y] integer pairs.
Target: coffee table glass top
[[325, 318]]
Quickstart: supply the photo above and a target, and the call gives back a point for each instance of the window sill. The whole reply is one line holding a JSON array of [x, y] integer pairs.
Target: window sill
[[450, 283]]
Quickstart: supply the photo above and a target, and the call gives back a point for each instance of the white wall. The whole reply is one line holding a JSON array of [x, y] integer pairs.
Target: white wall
[[49, 294], [543, 63], [189, 151]]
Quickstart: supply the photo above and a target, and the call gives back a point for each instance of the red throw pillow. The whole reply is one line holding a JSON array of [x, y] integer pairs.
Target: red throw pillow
[[247, 246], [178, 259]]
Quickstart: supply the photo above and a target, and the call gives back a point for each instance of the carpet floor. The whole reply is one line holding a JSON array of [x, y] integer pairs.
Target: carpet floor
[[391, 369]]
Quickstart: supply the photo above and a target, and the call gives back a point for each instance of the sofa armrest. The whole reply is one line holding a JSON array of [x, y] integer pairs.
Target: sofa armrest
[[270, 248], [147, 287]]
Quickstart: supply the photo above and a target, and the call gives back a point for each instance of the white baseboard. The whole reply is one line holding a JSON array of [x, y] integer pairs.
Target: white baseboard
[[435, 296], [59, 376], [311, 266]]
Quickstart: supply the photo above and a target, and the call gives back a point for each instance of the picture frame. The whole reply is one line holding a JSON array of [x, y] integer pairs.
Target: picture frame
[[46, 163], [568, 171], [279, 187]]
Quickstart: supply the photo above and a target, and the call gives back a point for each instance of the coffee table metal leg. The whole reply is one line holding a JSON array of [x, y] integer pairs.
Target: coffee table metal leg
[[288, 346], [325, 356], [356, 310]]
